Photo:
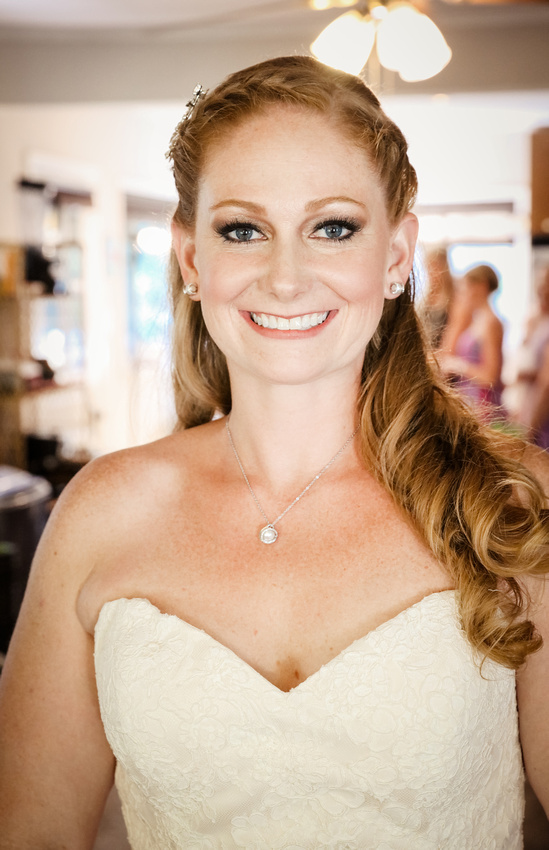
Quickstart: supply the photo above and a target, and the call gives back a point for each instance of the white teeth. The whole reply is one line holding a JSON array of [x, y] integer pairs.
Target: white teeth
[[296, 323]]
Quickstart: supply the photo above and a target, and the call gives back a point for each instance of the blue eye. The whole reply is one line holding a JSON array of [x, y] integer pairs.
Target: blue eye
[[334, 231], [243, 234], [238, 232], [337, 230]]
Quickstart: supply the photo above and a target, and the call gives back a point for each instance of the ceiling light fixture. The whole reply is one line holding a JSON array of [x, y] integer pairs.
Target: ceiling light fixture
[[407, 41], [320, 5]]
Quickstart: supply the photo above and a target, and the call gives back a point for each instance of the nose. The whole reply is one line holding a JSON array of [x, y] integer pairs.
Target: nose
[[286, 274]]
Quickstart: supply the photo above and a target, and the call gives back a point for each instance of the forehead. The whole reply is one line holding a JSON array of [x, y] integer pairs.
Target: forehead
[[287, 140], [277, 116]]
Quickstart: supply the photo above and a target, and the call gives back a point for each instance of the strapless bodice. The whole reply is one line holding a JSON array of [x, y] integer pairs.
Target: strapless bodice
[[401, 742]]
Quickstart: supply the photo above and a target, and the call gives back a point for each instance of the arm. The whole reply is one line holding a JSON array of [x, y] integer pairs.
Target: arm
[[540, 412], [533, 677], [459, 320], [56, 767], [526, 370], [533, 699], [488, 371]]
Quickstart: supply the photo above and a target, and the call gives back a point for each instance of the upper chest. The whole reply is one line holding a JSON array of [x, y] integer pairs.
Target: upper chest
[[340, 567]]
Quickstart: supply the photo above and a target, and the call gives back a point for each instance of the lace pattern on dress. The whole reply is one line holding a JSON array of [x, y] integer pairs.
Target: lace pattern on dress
[[398, 743]]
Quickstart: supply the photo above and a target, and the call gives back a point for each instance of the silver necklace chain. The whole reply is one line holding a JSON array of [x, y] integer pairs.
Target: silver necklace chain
[[269, 534]]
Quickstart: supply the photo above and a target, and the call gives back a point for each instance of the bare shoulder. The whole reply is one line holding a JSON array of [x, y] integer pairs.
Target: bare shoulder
[[110, 474], [122, 481], [113, 501]]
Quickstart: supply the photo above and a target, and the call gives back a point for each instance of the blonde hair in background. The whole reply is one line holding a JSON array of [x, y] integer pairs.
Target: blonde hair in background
[[483, 274], [478, 509]]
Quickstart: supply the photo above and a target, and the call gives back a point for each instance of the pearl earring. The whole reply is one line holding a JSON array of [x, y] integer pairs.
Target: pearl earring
[[396, 288], [190, 289]]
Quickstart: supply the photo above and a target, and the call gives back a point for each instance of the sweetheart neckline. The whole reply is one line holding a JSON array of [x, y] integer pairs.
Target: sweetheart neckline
[[449, 593]]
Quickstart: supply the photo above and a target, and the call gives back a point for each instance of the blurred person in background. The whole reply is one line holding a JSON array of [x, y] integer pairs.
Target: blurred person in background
[[533, 370], [471, 347], [438, 295]]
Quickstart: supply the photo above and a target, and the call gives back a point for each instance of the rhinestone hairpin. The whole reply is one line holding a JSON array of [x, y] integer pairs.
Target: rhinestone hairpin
[[198, 92]]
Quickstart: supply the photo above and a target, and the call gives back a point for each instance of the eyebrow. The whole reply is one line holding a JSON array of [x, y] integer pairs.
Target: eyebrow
[[258, 209], [235, 202], [333, 199]]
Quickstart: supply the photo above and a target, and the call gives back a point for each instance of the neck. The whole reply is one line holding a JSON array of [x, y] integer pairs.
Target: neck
[[284, 435]]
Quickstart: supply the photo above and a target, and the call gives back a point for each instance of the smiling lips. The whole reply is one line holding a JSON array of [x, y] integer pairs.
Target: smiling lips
[[296, 323]]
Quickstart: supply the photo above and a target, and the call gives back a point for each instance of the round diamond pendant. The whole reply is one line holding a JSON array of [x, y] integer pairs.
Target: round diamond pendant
[[268, 534]]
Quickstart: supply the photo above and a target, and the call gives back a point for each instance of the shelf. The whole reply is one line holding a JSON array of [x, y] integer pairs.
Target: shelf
[[42, 387]]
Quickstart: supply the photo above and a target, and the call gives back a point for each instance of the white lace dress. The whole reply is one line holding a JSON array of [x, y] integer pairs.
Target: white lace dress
[[398, 743]]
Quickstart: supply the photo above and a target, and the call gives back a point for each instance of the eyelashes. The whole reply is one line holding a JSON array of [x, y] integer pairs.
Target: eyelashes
[[334, 226], [241, 232]]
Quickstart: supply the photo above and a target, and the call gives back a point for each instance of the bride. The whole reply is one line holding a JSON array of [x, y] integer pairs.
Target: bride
[[302, 619]]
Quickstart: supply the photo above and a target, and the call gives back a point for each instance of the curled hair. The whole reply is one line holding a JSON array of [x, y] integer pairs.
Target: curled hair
[[476, 506]]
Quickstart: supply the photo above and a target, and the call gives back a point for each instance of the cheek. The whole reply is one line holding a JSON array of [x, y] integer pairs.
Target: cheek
[[218, 325], [363, 286], [220, 284], [222, 278], [362, 270]]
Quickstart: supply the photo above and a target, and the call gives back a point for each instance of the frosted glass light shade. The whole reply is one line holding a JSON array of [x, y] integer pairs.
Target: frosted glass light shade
[[346, 43], [410, 43], [320, 5]]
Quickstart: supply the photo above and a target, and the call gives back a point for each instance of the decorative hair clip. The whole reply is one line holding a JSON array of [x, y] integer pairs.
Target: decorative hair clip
[[198, 92]]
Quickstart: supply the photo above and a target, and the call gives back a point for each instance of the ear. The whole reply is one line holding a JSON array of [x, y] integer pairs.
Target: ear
[[184, 246], [401, 252]]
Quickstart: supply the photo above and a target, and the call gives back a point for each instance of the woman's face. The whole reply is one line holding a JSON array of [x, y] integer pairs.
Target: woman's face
[[292, 250]]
